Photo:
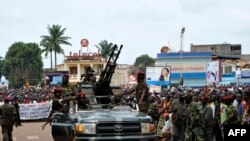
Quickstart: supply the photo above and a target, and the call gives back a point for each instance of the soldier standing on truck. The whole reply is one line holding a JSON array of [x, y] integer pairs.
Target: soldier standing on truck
[[141, 92]]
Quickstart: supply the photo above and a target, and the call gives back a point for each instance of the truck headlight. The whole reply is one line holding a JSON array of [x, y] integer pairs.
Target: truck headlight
[[86, 128], [147, 128]]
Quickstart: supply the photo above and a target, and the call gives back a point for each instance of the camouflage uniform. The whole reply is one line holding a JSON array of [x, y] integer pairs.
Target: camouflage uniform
[[207, 119], [140, 87], [194, 123], [178, 119], [68, 102], [7, 112], [232, 116], [153, 111]]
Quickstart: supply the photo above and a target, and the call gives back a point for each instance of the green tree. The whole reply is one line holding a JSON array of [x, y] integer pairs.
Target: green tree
[[143, 61], [23, 62], [105, 48], [53, 41], [1, 67]]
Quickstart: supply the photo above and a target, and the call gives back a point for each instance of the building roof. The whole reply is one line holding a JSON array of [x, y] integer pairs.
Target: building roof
[[184, 54], [232, 57]]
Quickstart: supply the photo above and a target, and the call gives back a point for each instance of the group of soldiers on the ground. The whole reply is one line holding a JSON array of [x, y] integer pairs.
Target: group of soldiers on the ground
[[199, 114]]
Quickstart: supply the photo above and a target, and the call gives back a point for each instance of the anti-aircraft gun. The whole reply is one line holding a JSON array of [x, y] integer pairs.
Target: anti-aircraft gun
[[102, 91], [102, 87]]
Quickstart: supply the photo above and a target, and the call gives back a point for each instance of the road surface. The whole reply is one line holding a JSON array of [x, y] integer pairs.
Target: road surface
[[31, 131]]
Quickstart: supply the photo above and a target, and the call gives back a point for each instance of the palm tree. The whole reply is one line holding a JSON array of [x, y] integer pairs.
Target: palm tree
[[105, 48], [47, 49], [55, 39]]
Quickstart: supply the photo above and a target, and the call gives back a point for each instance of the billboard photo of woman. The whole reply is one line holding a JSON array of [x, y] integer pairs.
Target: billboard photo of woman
[[164, 74]]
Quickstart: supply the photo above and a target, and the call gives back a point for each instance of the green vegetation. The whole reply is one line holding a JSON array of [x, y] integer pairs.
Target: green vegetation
[[23, 62], [141, 63], [105, 48]]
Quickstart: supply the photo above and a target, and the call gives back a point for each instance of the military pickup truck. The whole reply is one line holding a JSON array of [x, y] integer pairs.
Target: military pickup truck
[[116, 121], [107, 116]]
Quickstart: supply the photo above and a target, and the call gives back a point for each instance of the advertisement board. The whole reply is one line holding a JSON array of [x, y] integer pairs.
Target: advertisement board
[[245, 73], [213, 72], [187, 67], [158, 76], [55, 77]]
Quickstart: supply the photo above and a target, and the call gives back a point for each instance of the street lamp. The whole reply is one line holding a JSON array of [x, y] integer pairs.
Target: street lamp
[[181, 50]]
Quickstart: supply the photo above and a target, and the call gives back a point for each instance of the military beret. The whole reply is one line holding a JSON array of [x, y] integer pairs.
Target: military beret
[[228, 97], [7, 99], [81, 94], [58, 90], [204, 98]]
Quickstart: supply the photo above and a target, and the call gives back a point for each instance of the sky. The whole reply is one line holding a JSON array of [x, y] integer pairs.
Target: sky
[[141, 26]]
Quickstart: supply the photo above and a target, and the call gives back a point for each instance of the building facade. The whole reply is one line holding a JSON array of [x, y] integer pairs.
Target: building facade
[[77, 64], [219, 49], [189, 65], [121, 75]]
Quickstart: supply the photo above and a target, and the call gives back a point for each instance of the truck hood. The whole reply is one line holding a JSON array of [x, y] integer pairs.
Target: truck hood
[[111, 115]]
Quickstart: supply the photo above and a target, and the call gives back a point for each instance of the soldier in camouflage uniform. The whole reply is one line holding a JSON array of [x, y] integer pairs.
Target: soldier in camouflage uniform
[[194, 122], [232, 116], [68, 95], [207, 119], [56, 104], [153, 109], [8, 117], [177, 108], [141, 92]]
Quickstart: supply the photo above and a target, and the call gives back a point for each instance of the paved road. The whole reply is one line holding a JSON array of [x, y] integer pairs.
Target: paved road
[[31, 131]]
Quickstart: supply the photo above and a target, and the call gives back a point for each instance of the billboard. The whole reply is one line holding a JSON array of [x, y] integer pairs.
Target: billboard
[[245, 73], [158, 76], [55, 77], [213, 72], [187, 67]]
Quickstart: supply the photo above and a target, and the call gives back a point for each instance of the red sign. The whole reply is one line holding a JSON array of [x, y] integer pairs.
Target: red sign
[[84, 42]]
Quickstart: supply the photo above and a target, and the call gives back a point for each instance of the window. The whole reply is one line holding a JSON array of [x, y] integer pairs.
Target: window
[[235, 47], [73, 70], [228, 69]]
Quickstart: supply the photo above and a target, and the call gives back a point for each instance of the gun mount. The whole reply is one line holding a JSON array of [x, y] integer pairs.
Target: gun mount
[[102, 90]]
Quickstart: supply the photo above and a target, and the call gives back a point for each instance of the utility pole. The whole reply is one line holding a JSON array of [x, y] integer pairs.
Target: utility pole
[[181, 50]]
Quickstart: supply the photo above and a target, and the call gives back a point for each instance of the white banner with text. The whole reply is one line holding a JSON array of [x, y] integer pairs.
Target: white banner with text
[[34, 111]]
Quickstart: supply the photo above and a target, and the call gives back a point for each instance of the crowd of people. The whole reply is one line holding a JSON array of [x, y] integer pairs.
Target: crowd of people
[[200, 113], [179, 113], [185, 114], [27, 96]]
